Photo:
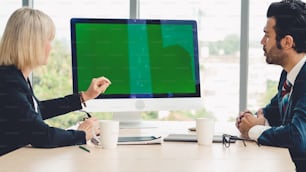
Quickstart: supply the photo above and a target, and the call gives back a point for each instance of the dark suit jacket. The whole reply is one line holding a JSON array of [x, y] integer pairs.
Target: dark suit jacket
[[20, 125], [288, 130]]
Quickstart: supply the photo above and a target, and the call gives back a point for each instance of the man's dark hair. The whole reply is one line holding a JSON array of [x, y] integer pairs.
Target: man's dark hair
[[290, 17]]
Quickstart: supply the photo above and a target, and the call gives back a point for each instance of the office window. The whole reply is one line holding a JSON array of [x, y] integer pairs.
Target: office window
[[219, 43], [6, 9], [263, 78], [219, 38], [55, 79], [62, 10]]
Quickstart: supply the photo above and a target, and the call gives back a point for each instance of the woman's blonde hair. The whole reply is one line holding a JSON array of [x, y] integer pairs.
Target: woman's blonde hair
[[24, 39]]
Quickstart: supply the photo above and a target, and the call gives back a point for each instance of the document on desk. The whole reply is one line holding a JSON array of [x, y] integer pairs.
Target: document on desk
[[139, 140]]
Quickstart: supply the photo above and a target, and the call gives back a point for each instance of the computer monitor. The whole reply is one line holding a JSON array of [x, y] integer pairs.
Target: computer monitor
[[153, 64]]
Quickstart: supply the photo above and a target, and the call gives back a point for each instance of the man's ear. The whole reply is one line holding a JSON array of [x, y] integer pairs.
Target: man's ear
[[287, 42]]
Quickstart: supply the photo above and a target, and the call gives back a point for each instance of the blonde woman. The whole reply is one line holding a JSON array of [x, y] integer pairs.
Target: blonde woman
[[25, 45]]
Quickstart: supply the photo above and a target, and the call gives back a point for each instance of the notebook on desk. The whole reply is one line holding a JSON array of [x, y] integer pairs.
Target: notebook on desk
[[190, 138]]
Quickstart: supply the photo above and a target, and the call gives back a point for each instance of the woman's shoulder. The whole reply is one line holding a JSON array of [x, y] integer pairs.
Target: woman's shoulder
[[11, 76]]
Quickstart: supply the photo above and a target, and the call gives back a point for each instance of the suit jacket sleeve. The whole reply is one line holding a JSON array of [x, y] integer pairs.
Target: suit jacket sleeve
[[32, 129], [290, 135], [54, 107], [272, 113], [20, 124]]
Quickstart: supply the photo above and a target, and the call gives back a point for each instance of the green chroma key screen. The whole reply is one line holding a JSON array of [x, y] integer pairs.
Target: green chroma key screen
[[142, 58]]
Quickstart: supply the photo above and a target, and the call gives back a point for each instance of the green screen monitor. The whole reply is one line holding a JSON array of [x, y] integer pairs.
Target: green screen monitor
[[153, 64]]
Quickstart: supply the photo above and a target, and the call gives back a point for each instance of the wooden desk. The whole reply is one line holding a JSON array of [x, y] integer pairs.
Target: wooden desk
[[167, 157]]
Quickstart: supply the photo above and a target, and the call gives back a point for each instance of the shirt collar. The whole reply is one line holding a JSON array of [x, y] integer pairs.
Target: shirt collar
[[291, 76]]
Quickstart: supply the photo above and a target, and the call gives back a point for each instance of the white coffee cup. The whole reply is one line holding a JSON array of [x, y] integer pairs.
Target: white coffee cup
[[205, 131], [109, 132]]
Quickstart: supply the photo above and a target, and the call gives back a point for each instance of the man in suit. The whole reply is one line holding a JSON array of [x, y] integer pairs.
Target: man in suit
[[282, 122]]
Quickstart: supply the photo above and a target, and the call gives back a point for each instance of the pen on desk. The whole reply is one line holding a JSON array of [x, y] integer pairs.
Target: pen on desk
[[88, 114], [84, 148]]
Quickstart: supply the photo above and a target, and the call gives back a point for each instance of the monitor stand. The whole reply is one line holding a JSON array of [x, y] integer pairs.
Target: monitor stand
[[131, 120]]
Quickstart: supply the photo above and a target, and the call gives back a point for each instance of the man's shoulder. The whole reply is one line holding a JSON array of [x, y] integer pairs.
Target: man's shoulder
[[302, 73]]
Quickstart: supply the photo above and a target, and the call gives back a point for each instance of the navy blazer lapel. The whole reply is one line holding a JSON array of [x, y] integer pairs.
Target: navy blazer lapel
[[286, 117], [33, 97], [297, 89], [281, 83], [26, 88]]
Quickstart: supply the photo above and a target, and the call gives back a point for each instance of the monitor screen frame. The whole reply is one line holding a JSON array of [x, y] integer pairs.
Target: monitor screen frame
[[139, 102]]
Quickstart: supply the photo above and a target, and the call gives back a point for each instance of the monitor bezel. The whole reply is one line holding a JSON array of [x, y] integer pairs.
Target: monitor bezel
[[193, 23]]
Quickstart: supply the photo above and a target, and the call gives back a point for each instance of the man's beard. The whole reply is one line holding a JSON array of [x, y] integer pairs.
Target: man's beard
[[274, 56]]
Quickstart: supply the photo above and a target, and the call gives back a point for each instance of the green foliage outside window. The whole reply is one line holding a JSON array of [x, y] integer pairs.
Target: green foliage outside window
[[229, 46]]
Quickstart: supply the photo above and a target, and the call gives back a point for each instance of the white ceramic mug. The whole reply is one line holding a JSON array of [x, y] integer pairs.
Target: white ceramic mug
[[205, 131], [109, 132]]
